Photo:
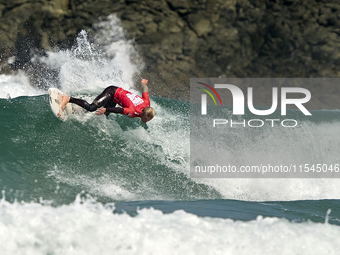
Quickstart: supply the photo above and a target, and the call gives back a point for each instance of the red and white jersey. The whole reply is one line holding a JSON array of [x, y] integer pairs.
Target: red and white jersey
[[132, 104]]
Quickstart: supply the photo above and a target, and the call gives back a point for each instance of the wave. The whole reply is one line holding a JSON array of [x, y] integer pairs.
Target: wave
[[86, 226], [119, 158], [115, 157]]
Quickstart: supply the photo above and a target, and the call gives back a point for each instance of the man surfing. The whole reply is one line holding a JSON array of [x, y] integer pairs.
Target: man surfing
[[131, 104]]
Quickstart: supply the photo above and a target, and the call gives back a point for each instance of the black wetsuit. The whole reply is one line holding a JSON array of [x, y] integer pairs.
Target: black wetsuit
[[105, 99]]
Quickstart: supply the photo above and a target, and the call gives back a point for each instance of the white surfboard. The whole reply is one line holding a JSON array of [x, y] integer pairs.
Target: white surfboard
[[55, 101]]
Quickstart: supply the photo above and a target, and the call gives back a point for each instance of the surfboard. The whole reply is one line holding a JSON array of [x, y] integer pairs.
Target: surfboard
[[55, 96]]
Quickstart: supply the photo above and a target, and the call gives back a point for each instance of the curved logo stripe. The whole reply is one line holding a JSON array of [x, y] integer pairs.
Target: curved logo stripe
[[208, 86], [208, 94]]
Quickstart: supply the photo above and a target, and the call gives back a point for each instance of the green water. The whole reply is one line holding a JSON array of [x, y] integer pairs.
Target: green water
[[114, 158]]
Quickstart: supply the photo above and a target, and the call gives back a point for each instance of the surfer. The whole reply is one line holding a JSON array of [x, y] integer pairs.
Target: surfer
[[131, 104]]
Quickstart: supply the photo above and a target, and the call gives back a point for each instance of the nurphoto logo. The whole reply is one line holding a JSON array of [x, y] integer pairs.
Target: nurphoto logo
[[264, 128], [239, 104]]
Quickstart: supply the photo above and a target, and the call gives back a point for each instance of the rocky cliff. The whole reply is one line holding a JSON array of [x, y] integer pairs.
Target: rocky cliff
[[180, 39]]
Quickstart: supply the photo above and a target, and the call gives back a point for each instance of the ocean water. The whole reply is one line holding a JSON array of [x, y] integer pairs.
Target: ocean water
[[114, 186]]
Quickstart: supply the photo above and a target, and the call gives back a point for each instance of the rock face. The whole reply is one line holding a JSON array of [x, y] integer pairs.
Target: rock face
[[181, 39]]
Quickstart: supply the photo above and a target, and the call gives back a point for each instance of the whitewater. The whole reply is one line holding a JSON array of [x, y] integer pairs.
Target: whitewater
[[112, 185]]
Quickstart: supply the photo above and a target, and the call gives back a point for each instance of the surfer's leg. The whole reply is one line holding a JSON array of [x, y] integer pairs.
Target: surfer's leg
[[101, 100], [82, 103], [105, 97], [77, 101]]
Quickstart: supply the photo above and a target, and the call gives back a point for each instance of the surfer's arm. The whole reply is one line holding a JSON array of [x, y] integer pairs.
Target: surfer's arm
[[114, 109], [109, 110], [144, 83]]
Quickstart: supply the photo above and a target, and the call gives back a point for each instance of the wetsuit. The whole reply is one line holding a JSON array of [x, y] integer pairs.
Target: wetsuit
[[131, 104]]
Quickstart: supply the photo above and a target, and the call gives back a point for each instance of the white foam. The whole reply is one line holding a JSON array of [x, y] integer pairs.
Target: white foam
[[103, 185], [88, 227], [84, 68], [17, 85], [91, 67], [110, 36], [312, 144], [279, 189]]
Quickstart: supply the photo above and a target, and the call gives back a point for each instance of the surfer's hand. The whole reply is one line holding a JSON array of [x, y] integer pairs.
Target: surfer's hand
[[101, 111], [144, 83]]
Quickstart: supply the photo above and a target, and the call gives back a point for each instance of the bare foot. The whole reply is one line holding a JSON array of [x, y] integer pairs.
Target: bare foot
[[64, 101]]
